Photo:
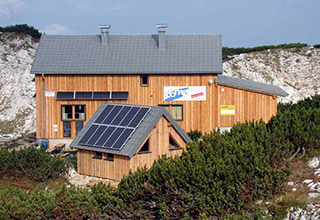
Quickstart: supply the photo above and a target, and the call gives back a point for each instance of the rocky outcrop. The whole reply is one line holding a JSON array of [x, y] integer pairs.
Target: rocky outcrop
[[295, 70], [17, 88]]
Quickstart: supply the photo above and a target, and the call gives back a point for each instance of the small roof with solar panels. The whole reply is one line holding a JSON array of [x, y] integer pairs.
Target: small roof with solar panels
[[121, 128]]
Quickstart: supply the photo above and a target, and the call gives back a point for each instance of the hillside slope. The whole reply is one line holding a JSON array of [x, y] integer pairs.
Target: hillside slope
[[295, 70]]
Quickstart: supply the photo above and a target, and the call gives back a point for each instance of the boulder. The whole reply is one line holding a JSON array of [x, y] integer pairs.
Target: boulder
[[314, 162]]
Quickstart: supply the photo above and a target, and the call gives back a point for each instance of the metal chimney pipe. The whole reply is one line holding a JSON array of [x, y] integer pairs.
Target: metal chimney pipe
[[162, 28], [104, 29]]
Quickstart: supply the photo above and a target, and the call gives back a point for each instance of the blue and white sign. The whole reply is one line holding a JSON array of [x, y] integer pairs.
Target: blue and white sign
[[184, 93]]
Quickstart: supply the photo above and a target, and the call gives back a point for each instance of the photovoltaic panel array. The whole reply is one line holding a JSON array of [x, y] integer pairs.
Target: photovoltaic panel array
[[106, 95], [114, 126]]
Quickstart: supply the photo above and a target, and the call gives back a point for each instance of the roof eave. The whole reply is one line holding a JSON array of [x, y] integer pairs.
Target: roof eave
[[284, 94]]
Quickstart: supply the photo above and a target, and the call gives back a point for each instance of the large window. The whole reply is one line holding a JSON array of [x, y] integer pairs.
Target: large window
[[175, 110], [73, 112]]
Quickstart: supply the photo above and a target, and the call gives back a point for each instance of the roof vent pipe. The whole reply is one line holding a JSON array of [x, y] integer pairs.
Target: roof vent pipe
[[162, 28], [104, 33]]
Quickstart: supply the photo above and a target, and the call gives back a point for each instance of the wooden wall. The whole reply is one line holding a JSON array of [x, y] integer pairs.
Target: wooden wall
[[197, 115], [248, 106], [102, 168], [159, 145], [201, 115]]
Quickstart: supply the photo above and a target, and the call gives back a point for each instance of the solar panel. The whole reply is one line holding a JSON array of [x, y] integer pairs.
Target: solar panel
[[119, 95], [88, 134], [138, 117], [114, 126], [65, 95], [96, 135], [120, 116], [101, 95], [122, 139], [112, 115], [129, 116], [104, 114], [115, 135], [83, 95], [93, 95]]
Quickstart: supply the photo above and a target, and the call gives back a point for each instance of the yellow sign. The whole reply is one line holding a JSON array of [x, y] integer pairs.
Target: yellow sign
[[227, 110]]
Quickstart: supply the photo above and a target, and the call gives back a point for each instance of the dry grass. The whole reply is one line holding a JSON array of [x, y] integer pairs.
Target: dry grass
[[55, 184]]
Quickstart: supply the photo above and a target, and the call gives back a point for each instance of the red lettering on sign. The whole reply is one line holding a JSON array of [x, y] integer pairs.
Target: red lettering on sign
[[197, 95]]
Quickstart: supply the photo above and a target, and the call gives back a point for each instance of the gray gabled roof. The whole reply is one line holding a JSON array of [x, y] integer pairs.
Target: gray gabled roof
[[138, 136], [128, 54], [250, 85]]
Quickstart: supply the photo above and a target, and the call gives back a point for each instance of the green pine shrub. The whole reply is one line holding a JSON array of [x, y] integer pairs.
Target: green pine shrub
[[195, 135], [228, 52], [31, 162], [22, 28], [66, 203]]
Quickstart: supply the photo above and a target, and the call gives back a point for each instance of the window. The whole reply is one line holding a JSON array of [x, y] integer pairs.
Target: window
[[103, 95], [110, 157], [175, 110], [79, 126], [67, 129], [145, 148], [66, 112], [73, 112], [144, 80], [173, 144], [79, 112], [97, 155]]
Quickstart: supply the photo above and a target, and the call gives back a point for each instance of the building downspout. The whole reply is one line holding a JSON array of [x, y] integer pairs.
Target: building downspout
[[43, 108]]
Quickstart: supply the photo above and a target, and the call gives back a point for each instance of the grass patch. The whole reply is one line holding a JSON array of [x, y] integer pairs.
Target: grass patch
[[297, 199], [55, 184]]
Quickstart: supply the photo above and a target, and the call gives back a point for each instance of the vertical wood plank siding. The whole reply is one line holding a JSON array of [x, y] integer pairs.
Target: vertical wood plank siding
[[194, 111], [198, 115], [248, 106], [102, 168]]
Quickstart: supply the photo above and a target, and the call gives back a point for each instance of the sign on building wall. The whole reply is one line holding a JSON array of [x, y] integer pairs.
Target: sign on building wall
[[227, 110], [184, 93], [49, 93]]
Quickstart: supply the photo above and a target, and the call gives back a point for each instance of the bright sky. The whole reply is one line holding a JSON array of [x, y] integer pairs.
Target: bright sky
[[241, 22]]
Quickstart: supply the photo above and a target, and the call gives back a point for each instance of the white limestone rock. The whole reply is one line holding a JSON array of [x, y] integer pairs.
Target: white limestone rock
[[295, 71], [314, 162]]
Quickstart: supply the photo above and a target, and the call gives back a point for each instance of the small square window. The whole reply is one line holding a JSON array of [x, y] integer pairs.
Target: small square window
[[144, 80], [97, 155], [110, 157]]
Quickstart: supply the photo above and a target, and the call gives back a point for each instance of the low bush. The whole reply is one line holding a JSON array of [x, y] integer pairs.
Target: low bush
[[195, 135], [33, 163], [22, 28], [66, 203], [228, 52]]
